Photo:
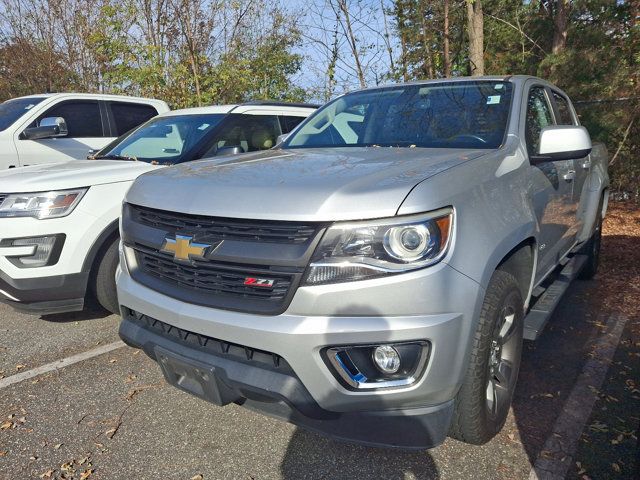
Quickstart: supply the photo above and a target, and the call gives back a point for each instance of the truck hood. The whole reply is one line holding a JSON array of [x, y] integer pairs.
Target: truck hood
[[298, 184], [71, 174]]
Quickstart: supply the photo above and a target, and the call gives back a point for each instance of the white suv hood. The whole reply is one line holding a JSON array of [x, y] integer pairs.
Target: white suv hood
[[72, 174]]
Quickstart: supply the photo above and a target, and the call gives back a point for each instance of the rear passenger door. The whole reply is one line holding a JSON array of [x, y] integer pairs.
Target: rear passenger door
[[550, 182], [86, 129], [125, 116], [565, 115]]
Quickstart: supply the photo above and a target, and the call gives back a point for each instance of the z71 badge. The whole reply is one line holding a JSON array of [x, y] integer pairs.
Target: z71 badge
[[259, 282]]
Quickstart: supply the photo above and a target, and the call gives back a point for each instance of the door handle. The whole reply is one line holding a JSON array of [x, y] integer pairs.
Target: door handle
[[569, 176], [586, 165]]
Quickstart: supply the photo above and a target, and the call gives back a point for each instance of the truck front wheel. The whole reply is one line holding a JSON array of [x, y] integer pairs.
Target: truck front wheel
[[104, 280], [483, 401]]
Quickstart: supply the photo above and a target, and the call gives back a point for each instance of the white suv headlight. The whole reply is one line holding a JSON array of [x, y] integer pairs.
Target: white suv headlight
[[41, 205], [361, 250]]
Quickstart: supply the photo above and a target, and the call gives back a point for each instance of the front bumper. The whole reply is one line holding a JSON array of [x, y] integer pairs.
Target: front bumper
[[438, 305], [46, 295], [221, 373]]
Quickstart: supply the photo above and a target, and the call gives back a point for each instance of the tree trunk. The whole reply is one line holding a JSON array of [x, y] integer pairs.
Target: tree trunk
[[352, 42], [560, 23], [427, 66], [475, 25], [446, 57], [402, 31]]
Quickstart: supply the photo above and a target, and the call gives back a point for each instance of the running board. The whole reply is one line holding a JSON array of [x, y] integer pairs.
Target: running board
[[543, 308]]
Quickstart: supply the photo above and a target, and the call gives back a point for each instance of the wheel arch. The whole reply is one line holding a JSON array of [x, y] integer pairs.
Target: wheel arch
[[517, 254], [102, 241], [520, 262]]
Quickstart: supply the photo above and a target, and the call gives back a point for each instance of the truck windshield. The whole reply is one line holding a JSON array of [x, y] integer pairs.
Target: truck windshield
[[12, 110], [163, 140], [468, 114]]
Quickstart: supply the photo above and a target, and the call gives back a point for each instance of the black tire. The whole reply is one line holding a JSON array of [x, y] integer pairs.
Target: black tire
[[104, 284], [592, 249], [494, 362]]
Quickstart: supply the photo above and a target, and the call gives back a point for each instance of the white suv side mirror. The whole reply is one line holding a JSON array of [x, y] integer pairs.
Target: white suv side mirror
[[49, 127]]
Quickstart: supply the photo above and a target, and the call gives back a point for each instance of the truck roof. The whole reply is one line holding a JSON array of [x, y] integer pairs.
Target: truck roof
[[504, 78]]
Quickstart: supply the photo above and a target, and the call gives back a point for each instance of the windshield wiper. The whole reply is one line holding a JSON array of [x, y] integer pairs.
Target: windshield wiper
[[116, 157]]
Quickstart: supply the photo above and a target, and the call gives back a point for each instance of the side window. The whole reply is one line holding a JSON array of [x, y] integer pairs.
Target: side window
[[250, 132], [288, 123], [538, 117], [564, 111], [128, 116], [82, 117]]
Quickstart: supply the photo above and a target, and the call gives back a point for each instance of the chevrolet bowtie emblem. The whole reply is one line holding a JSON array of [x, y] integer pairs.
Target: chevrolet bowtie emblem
[[183, 248]]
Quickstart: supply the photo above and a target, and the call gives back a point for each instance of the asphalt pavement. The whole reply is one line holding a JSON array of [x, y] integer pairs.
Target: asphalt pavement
[[112, 416]]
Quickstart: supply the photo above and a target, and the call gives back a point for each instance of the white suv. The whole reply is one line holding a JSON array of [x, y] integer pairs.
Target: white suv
[[57, 127], [59, 222]]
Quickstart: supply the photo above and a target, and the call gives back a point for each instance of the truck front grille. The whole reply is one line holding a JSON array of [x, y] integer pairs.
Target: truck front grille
[[255, 267], [218, 278], [226, 228]]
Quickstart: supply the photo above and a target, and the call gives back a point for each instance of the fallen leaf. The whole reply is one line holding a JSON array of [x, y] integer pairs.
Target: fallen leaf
[[86, 474], [616, 467], [113, 360], [47, 474], [58, 445], [197, 477], [6, 425], [3, 453], [111, 432], [20, 366]]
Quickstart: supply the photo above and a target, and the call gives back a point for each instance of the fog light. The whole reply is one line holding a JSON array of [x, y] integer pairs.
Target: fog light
[[387, 359], [46, 252], [378, 366]]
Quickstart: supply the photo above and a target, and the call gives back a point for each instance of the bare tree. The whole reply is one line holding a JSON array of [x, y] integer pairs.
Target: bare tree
[[351, 38]]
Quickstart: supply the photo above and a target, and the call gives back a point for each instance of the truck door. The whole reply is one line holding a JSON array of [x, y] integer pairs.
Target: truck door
[[565, 115], [552, 185], [85, 132]]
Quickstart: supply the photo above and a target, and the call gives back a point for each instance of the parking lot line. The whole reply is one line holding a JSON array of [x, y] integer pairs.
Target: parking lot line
[[556, 457], [58, 364]]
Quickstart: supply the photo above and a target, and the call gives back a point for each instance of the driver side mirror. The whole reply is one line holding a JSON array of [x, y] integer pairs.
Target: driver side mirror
[[50, 127], [281, 138], [562, 142], [231, 150]]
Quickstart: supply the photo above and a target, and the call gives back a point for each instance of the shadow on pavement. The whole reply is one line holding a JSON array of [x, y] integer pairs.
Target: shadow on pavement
[[310, 456], [550, 367], [90, 312]]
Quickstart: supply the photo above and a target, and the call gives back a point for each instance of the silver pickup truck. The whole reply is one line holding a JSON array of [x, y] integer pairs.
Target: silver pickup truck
[[374, 275]]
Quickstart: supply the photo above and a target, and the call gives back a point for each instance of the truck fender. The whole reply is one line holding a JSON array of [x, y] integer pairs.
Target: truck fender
[[522, 233]]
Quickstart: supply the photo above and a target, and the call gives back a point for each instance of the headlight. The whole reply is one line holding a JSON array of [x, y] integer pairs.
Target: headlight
[[42, 204], [361, 250]]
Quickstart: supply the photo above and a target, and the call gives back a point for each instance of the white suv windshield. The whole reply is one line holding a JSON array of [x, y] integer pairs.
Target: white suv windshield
[[440, 115], [12, 110], [167, 139]]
